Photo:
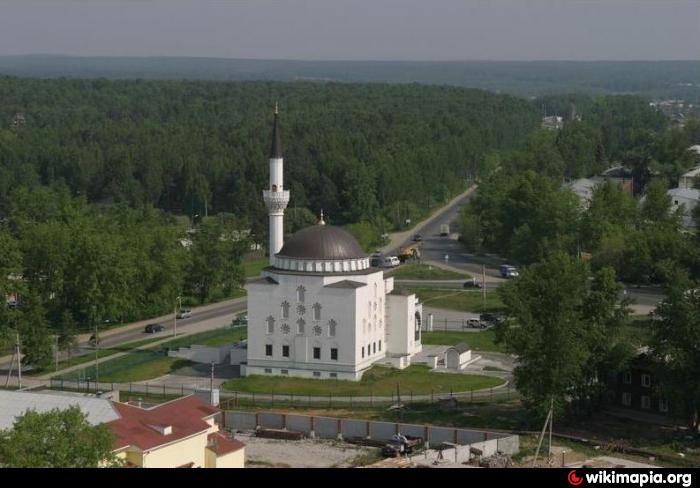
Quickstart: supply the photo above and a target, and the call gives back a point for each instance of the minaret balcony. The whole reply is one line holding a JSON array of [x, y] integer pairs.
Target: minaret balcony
[[276, 201]]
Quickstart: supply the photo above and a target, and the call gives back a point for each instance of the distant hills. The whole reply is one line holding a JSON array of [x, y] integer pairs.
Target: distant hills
[[657, 79]]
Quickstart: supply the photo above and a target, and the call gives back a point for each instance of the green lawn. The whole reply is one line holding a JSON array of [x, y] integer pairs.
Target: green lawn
[[424, 272], [479, 341], [463, 301], [145, 364], [379, 381], [254, 266]]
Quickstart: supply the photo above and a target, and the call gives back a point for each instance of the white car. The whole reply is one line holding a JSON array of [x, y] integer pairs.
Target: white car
[[391, 262], [184, 314]]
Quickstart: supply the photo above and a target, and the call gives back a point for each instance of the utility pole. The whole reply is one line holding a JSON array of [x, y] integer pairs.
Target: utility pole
[[56, 355], [483, 284], [211, 385], [97, 351], [19, 364]]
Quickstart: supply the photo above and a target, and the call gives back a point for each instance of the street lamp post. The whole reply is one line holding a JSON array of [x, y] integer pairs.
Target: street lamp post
[[178, 306]]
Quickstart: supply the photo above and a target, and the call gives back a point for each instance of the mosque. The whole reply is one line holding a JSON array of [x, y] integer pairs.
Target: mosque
[[319, 310]]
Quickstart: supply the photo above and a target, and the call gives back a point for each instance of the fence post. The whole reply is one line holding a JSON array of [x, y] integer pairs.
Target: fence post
[[163, 389], [182, 389], [146, 388], [411, 402]]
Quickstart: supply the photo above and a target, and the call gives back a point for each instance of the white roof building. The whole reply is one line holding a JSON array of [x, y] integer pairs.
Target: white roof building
[[687, 180], [689, 199], [15, 403]]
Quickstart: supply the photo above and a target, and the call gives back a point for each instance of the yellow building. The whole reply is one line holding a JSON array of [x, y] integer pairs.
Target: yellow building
[[180, 433]]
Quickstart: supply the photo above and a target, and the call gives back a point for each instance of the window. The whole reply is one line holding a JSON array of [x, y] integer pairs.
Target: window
[[317, 311], [284, 371], [301, 327], [663, 405], [626, 398], [374, 348], [331, 327], [646, 402], [380, 346], [285, 309], [317, 353], [317, 374], [268, 371], [363, 351], [333, 375], [646, 380], [285, 351], [627, 378], [270, 324], [268, 349], [334, 353], [301, 291]]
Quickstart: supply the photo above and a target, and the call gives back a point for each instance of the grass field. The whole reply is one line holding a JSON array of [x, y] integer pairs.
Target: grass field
[[145, 364], [379, 381], [253, 267], [463, 301], [424, 272], [479, 341]]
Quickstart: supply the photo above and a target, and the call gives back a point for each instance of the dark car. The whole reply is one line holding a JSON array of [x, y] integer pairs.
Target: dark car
[[490, 318], [153, 328], [473, 283], [417, 238]]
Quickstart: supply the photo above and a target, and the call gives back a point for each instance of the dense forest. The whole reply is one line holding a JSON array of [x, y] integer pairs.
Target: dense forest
[[654, 79], [116, 197], [525, 212], [357, 151]]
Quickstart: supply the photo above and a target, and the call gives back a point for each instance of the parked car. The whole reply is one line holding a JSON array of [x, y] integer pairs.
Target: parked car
[[472, 283], [153, 328], [508, 271], [376, 260], [417, 238], [184, 314], [391, 262], [445, 230], [475, 324], [490, 318], [240, 321]]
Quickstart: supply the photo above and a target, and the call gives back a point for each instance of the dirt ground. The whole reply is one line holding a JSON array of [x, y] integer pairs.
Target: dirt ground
[[306, 453]]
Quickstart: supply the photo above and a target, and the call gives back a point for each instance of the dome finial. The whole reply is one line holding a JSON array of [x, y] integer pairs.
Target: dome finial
[[320, 220]]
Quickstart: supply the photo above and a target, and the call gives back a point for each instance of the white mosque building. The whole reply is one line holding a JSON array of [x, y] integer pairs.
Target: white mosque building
[[320, 310]]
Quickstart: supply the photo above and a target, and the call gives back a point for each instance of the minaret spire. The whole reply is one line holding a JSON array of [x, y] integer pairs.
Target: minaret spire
[[276, 197], [276, 148]]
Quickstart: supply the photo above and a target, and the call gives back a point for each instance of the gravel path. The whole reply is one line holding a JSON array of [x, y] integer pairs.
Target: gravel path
[[306, 453]]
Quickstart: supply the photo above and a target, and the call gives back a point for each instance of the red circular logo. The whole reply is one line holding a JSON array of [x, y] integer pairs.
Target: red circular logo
[[573, 478]]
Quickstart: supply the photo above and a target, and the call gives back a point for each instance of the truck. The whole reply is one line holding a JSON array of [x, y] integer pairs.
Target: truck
[[508, 271], [445, 230], [400, 444], [408, 253]]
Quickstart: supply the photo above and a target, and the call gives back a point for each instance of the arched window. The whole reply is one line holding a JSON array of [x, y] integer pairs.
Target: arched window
[[301, 291], [317, 311], [270, 324], [285, 309], [331, 327], [301, 326], [418, 321]]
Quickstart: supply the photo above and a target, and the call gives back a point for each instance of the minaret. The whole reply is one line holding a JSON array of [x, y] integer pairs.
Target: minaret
[[276, 197]]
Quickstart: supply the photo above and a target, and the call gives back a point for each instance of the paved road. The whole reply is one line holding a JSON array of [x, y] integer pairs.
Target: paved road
[[203, 318]]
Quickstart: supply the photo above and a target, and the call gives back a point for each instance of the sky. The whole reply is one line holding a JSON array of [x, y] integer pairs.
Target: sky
[[432, 30]]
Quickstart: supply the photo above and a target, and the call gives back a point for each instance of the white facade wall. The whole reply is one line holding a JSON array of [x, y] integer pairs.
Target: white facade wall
[[401, 320], [359, 313]]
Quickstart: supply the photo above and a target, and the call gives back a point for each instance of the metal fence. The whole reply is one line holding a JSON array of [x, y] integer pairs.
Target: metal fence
[[233, 399], [334, 427]]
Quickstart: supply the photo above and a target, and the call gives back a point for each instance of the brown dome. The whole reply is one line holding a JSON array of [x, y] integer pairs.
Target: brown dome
[[322, 242]]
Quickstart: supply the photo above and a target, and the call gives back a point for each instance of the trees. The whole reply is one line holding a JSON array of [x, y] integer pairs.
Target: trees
[[676, 345], [56, 439], [562, 328]]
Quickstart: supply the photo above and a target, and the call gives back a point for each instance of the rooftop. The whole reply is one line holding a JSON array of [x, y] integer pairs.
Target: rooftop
[[16, 403], [184, 417]]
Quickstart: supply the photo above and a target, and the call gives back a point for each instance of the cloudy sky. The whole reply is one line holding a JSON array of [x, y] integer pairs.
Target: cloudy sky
[[356, 29]]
